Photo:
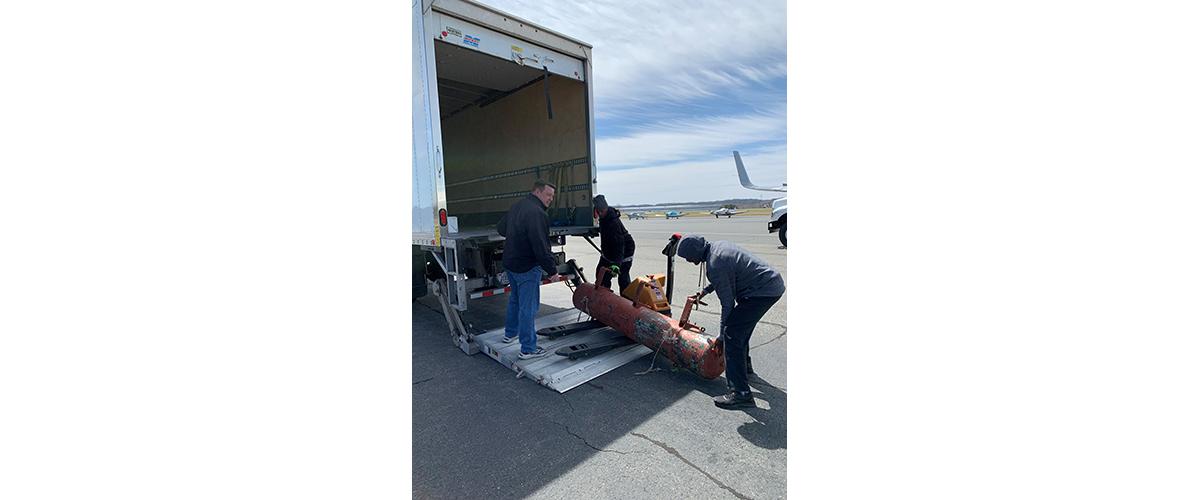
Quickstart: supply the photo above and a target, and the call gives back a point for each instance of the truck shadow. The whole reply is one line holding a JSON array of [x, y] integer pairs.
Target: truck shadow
[[479, 432]]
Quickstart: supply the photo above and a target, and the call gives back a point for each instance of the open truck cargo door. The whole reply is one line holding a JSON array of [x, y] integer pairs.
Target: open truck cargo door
[[497, 103]]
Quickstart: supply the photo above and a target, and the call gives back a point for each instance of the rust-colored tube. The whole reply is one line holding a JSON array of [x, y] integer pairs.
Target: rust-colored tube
[[686, 347]]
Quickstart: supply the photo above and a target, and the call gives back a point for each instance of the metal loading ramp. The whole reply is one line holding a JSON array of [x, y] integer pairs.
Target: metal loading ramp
[[559, 372]]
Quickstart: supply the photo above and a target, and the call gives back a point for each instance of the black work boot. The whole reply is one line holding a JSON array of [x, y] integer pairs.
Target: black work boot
[[734, 400]]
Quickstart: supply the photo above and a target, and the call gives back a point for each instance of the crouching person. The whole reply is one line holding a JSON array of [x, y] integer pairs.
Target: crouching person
[[747, 288]]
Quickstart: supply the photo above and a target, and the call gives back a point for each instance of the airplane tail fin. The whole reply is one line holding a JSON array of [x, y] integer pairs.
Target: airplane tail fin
[[742, 176], [745, 178]]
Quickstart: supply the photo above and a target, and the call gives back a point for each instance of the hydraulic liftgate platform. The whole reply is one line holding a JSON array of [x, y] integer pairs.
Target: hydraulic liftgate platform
[[560, 372]]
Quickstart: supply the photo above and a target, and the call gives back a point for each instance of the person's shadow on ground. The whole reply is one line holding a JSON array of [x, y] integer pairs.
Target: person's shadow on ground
[[769, 428]]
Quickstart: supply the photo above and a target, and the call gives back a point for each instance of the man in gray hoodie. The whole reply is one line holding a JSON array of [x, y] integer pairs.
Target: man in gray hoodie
[[747, 287]]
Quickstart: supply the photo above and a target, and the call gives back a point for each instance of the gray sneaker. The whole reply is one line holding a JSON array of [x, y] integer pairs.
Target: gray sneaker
[[533, 355], [508, 340]]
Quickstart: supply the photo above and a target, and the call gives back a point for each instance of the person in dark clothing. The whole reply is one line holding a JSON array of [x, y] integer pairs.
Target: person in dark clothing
[[526, 231], [616, 246], [747, 288]]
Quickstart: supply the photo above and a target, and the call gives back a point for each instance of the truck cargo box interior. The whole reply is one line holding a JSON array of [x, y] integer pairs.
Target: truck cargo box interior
[[505, 125]]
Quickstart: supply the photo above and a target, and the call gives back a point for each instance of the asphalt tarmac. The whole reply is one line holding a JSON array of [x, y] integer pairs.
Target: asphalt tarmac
[[479, 431]]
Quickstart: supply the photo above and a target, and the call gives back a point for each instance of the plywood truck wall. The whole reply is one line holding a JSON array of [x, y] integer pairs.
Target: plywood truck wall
[[515, 134]]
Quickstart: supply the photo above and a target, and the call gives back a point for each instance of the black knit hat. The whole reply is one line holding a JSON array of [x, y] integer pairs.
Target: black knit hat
[[599, 202]]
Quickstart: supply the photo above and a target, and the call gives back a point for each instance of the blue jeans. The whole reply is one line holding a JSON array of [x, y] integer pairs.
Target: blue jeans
[[523, 303]]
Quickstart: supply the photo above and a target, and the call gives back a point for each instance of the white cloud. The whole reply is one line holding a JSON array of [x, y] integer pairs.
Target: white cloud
[[653, 51], [705, 180], [677, 140]]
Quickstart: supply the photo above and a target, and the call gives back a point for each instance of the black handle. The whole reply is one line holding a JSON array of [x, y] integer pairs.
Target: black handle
[[546, 80]]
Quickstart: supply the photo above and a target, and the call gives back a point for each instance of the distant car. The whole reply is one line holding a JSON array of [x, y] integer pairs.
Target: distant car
[[636, 215], [727, 212], [674, 214]]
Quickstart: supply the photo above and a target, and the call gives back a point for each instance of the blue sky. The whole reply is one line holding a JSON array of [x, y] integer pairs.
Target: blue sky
[[679, 86]]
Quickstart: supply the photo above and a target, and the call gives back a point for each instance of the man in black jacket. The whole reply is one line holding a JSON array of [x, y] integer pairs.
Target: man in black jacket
[[616, 246], [526, 231]]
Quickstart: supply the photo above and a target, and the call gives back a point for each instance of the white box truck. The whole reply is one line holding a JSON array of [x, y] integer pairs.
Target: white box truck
[[498, 102]]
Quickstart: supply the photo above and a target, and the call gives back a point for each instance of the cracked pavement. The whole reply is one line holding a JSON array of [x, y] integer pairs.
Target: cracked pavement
[[479, 431], [675, 453]]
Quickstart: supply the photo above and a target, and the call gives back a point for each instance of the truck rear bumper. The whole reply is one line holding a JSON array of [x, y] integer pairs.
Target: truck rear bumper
[[500, 291]]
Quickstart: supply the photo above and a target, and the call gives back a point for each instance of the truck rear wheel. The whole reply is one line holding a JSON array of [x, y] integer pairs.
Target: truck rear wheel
[[783, 234]]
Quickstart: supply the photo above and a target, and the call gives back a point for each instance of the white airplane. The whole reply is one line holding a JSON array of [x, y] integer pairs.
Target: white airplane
[[778, 220], [727, 212]]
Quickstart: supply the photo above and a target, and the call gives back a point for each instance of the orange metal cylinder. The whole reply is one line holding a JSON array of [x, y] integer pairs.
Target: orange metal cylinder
[[685, 347]]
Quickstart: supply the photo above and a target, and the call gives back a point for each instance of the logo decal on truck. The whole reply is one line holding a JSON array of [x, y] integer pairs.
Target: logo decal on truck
[[470, 40]]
